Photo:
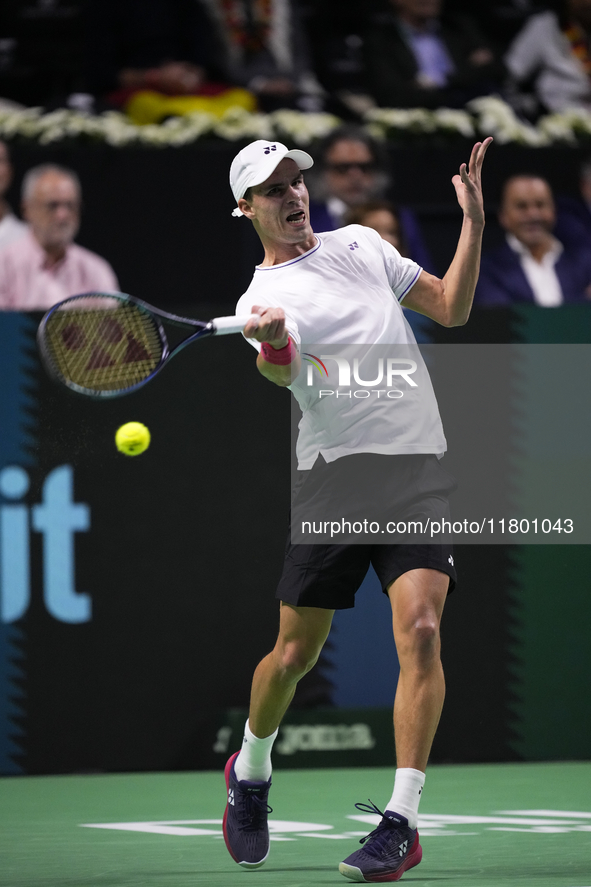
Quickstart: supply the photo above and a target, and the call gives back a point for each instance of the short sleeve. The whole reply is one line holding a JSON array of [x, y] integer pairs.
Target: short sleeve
[[402, 273]]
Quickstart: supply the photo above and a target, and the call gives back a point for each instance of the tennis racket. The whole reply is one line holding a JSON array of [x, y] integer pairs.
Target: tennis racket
[[109, 344]]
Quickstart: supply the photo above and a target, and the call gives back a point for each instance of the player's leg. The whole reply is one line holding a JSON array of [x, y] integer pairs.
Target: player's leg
[[302, 633], [417, 598]]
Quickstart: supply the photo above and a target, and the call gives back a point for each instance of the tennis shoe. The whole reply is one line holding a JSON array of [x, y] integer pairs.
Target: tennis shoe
[[246, 831], [389, 851]]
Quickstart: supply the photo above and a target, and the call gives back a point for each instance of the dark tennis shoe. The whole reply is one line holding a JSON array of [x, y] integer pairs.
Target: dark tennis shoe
[[246, 831], [390, 850]]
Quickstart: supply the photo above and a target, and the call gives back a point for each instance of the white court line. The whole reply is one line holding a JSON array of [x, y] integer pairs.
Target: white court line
[[564, 813]]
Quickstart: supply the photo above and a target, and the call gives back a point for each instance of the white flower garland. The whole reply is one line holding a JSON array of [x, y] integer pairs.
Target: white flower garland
[[488, 115], [115, 129]]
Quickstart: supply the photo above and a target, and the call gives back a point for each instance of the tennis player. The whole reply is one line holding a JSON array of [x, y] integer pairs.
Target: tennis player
[[343, 287]]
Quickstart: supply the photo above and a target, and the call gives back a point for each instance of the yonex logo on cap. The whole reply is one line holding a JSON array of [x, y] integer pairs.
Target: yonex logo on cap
[[270, 148], [354, 245]]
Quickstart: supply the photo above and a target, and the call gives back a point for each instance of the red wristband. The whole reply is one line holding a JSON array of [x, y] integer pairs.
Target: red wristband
[[279, 356]]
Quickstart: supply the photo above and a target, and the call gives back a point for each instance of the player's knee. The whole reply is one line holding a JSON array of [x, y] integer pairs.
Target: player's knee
[[421, 641], [298, 658]]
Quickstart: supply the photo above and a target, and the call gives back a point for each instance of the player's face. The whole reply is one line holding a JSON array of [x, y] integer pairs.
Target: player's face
[[528, 211], [280, 205], [53, 211], [350, 172]]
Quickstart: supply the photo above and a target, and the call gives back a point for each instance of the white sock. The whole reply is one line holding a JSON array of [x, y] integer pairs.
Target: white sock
[[408, 785], [254, 761]]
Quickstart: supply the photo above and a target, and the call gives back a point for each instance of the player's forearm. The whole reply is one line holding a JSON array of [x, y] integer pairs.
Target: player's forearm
[[280, 374], [461, 277]]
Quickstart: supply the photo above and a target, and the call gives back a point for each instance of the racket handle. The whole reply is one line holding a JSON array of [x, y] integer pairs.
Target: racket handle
[[224, 325]]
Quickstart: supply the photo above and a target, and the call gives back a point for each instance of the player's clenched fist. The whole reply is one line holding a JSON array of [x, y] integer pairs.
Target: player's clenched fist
[[270, 328]]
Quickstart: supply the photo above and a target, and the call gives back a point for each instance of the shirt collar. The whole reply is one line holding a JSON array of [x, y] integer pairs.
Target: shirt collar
[[520, 248]]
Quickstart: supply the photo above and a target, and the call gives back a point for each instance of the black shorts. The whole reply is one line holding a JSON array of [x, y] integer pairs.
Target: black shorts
[[328, 575]]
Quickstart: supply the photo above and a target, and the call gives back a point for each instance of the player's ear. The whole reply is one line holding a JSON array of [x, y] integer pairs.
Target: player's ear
[[246, 208]]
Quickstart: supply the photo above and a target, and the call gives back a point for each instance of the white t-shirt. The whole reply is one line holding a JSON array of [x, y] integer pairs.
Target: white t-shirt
[[344, 293]]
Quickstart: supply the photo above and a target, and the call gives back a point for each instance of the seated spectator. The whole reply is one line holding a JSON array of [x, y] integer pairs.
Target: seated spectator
[[415, 57], [335, 29], [383, 218], [552, 53], [500, 20], [157, 58], [351, 169], [45, 266], [11, 228], [573, 217], [266, 51], [532, 265]]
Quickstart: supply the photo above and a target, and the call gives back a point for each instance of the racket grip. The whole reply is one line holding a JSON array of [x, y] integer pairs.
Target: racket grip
[[225, 325]]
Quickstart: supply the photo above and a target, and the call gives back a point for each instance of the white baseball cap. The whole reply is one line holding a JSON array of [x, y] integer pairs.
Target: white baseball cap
[[256, 162]]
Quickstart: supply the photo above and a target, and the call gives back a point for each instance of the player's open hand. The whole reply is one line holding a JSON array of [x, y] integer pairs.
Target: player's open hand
[[468, 183], [271, 327]]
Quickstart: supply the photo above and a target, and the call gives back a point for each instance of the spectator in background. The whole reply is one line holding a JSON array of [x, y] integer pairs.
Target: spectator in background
[[133, 43], [416, 58], [532, 265], [383, 218], [45, 266], [11, 228], [266, 50], [553, 51], [144, 54], [500, 20], [351, 169]]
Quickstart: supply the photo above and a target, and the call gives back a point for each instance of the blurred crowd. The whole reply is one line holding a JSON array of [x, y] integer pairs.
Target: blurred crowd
[[157, 58], [544, 258], [307, 54]]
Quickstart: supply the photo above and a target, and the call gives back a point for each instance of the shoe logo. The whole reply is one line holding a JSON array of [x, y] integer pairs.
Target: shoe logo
[[270, 148], [403, 848], [231, 796], [451, 560], [353, 245]]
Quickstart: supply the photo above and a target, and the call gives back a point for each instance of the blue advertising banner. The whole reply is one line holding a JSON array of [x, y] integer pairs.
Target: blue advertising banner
[[137, 594]]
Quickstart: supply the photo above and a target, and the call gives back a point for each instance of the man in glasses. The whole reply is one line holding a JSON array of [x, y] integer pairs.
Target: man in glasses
[[45, 266], [353, 170]]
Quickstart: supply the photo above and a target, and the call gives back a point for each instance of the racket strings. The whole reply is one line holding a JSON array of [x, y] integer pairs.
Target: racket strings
[[103, 345]]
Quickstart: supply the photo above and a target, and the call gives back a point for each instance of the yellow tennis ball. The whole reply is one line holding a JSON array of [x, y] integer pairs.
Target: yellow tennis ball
[[132, 438]]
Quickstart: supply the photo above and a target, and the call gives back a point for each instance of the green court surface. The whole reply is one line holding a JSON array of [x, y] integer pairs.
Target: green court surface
[[527, 825]]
